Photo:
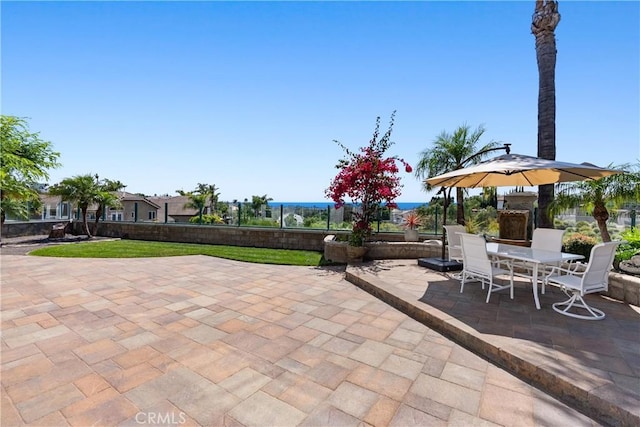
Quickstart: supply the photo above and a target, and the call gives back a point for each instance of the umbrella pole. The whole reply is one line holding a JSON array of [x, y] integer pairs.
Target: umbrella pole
[[441, 264], [445, 208]]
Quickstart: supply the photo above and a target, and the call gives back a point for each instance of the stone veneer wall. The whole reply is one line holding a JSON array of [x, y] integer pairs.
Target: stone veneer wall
[[260, 237], [337, 251], [624, 287], [28, 228], [275, 238]]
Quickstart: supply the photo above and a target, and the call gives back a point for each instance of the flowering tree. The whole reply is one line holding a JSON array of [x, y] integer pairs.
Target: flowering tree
[[368, 179]]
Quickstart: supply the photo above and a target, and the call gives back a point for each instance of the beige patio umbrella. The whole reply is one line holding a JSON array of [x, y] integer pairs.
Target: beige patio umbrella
[[514, 170], [519, 170]]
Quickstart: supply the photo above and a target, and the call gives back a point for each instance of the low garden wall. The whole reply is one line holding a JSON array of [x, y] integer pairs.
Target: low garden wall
[[336, 251], [624, 287], [392, 245], [275, 238], [28, 228]]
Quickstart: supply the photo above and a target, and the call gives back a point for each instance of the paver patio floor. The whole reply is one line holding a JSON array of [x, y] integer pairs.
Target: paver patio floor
[[204, 341], [591, 365]]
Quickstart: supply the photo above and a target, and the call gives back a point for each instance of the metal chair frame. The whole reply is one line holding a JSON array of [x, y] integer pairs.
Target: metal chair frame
[[593, 278], [478, 265]]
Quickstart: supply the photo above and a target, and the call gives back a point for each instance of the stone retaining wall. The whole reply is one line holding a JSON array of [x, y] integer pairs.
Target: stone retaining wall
[[28, 228], [275, 238], [624, 287]]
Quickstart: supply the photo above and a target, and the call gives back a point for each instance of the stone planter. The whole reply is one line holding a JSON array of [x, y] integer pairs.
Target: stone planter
[[631, 266], [356, 253], [336, 251], [411, 235]]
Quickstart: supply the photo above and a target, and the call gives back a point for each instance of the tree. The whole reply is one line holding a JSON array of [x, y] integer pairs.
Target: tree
[[257, 202], [597, 196], [197, 201], [368, 178], [489, 197], [212, 194], [452, 152], [84, 191], [106, 198], [24, 160], [544, 22]]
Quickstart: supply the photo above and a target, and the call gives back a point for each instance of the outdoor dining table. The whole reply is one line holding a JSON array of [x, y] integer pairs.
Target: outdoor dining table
[[535, 257]]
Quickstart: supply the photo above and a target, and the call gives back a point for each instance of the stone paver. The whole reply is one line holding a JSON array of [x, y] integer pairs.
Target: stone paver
[[204, 341], [594, 366]]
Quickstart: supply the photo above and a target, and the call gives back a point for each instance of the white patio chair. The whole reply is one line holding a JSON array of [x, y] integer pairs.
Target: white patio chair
[[549, 239], [477, 265], [576, 284], [454, 246]]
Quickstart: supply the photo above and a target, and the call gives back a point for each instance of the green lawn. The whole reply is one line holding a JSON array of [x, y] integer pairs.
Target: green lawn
[[143, 249]]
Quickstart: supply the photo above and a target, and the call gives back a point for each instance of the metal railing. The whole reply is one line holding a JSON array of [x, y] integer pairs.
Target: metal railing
[[317, 217]]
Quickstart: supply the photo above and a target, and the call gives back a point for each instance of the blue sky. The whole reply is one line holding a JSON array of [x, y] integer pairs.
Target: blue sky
[[250, 95]]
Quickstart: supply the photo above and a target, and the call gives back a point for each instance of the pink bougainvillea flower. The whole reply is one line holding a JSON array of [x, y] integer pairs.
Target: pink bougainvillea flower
[[369, 179]]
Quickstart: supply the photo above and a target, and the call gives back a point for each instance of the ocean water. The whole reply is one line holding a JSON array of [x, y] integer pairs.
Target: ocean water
[[404, 206]]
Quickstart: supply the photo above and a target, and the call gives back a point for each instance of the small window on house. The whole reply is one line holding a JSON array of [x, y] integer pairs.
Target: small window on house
[[64, 210], [152, 215]]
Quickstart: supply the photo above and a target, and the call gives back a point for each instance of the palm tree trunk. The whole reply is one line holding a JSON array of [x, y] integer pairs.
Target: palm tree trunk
[[98, 215], [85, 223], [460, 204], [445, 208], [601, 214], [545, 20]]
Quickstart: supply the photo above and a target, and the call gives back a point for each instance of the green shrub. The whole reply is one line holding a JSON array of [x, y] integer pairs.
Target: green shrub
[[484, 216], [259, 222], [472, 226], [630, 248], [632, 236], [388, 227], [493, 227], [580, 244], [624, 255], [561, 225], [615, 234], [315, 224], [206, 219], [341, 238]]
